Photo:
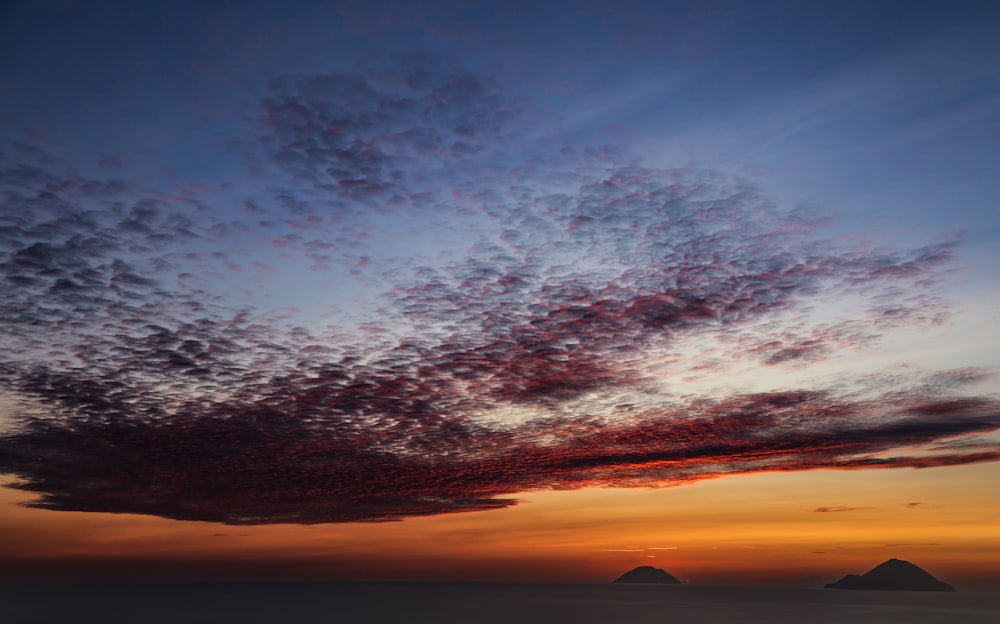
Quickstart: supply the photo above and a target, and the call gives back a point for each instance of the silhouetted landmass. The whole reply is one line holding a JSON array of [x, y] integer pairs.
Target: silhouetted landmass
[[894, 574], [646, 574]]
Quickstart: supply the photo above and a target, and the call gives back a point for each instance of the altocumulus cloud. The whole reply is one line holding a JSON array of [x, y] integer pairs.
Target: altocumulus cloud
[[520, 345]]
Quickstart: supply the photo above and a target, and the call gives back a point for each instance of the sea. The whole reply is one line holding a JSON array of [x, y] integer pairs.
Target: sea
[[480, 603]]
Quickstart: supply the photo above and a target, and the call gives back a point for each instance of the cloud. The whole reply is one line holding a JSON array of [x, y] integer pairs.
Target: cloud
[[518, 312], [283, 461], [375, 135], [836, 509]]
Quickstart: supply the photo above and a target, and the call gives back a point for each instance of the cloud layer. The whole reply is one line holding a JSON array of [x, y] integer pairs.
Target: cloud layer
[[496, 315]]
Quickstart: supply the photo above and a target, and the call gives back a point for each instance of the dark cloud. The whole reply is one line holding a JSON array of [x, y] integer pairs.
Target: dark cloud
[[342, 454], [837, 509], [377, 136], [520, 322]]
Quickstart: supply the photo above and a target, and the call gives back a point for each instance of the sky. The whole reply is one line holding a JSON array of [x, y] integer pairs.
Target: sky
[[499, 291]]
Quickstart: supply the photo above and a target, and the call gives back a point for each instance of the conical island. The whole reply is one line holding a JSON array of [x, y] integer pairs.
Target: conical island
[[646, 574], [894, 574]]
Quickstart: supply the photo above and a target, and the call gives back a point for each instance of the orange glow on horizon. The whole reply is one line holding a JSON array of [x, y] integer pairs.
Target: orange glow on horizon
[[757, 529]]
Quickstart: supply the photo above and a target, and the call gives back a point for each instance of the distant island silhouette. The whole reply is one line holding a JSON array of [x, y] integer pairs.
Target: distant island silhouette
[[894, 574], [646, 574]]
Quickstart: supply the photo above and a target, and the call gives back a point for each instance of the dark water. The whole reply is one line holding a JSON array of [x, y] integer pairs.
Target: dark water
[[247, 603]]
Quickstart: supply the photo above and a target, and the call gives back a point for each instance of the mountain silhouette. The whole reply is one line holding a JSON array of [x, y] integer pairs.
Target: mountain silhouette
[[646, 574], [894, 574]]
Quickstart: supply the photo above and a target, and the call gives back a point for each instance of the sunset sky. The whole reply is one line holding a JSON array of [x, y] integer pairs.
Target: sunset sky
[[499, 291]]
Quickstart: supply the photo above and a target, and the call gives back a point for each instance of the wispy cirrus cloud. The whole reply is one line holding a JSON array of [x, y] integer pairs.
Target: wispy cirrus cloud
[[516, 313]]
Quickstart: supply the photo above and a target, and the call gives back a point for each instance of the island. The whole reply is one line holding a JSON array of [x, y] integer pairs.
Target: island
[[646, 574], [894, 574]]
